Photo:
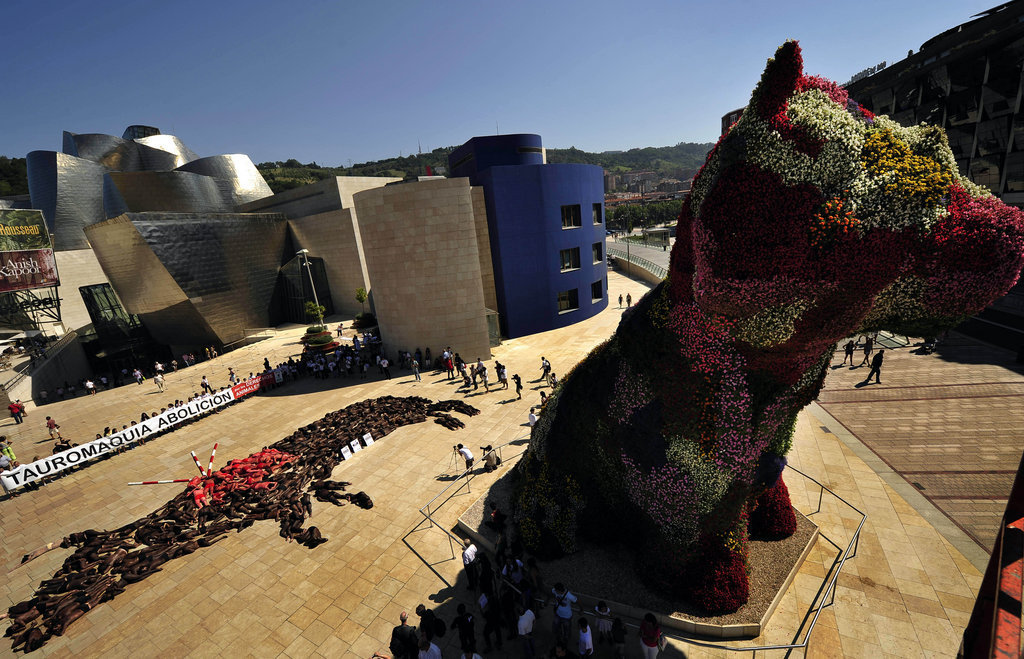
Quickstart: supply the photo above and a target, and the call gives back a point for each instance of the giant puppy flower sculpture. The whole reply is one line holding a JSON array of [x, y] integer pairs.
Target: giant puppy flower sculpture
[[811, 220]]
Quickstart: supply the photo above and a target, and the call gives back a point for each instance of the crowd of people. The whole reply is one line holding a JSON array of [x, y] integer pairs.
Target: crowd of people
[[509, 597]]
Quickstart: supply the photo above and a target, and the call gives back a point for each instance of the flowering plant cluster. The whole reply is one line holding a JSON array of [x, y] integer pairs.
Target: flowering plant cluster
[[812, 219]]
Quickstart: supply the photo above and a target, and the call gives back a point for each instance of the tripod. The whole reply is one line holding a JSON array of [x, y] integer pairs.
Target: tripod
[[453, 465]]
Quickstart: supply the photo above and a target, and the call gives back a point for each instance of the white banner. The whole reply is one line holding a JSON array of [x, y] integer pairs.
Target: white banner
[[33, 471]]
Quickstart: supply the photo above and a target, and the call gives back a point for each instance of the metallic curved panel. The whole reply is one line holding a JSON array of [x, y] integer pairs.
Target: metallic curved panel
[[170, 192], [69, 191], [207, 276], [169, 144], [246, 182], [107, 150], [137, 131]]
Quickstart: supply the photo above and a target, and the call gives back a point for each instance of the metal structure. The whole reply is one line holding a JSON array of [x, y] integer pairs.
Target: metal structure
[[824, 598], [194, 279]]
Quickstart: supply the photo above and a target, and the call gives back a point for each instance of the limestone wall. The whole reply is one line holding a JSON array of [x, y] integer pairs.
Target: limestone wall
[[420, 244]]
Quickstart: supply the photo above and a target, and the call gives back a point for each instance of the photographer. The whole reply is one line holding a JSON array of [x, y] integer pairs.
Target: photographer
[[491, 460], [466, 454]]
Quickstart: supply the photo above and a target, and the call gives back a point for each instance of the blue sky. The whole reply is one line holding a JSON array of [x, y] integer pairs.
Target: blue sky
[[333, 81]]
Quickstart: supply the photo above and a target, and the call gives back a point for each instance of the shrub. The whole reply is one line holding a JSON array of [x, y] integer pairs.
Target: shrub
[[364, 320], [720, 583], [316, 329], [773, 516]]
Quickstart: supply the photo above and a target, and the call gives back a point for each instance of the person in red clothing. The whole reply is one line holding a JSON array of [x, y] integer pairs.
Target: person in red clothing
[[17, 410], [650, 635], [54, 429]]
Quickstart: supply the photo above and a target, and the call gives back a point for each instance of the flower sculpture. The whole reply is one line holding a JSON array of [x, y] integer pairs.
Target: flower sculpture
[[811, 220]]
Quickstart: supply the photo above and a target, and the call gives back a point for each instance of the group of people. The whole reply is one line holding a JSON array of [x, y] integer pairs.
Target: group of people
[[510, 595], [868, 346]]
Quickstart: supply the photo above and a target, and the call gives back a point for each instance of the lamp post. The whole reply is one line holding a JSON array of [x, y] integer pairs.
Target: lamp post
[[304, 253]]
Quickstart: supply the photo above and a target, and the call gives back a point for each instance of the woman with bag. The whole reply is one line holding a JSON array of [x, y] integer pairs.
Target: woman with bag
[[651, 639]]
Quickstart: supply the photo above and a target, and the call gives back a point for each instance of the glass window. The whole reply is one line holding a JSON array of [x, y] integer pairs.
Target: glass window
[[993, 136], [597, 214], [1015, 172], [569, 258], [568, 301], [596, 291], [985, 171], [571, 217], [598, 252], [963, 107]]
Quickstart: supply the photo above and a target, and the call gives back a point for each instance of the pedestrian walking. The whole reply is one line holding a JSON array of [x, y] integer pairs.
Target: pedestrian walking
[[620, 300], [404, 639], [525, 628], [629, 300], [158, 379], [53, 428], [385, 367], [17, 411], [848, 350], [876, 368], [416, 369], [869, 345], [519, 386], [586, 638]]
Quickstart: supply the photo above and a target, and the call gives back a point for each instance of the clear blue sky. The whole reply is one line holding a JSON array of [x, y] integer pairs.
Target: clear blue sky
[[332, 81]]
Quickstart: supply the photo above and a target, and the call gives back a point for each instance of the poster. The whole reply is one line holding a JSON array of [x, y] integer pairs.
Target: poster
[[26, 253]]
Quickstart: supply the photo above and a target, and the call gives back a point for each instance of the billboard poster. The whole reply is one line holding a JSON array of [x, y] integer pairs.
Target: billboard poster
[[26, 254]]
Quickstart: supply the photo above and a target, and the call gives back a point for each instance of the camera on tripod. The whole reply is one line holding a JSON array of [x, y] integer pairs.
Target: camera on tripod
[[455, 448]]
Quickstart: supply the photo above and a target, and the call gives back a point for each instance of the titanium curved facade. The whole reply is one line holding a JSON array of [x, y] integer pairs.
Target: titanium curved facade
[[69, 191], [148, 171], [207, 277], [245, 181], [171, 192]]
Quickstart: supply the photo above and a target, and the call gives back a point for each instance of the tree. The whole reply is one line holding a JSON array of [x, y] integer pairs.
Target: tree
[[316, 311], [361, 297]]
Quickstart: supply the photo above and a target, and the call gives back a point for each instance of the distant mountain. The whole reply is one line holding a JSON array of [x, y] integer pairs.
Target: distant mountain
[[680, 161]]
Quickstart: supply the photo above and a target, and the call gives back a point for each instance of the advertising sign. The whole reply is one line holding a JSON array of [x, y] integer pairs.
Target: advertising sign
[[26, 254]]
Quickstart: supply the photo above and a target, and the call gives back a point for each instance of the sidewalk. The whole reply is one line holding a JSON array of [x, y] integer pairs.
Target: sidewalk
[[907, 592]]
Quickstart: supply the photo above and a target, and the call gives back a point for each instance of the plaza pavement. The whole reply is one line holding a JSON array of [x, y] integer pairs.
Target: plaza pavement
[[907, 593]]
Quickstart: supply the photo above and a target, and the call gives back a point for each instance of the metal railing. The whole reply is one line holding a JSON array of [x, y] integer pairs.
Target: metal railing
[[50, 351], [825, 592], [633, 259], [465, 479]]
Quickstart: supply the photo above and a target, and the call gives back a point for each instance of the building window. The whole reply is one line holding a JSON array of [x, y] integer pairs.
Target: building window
[[598, 252], [568, 301], [571, 217], [570, 259], [597, 213], [596, 291]]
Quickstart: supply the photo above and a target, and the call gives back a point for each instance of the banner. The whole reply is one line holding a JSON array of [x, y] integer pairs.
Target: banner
[[77, 455], [247, 387], [26, 254]]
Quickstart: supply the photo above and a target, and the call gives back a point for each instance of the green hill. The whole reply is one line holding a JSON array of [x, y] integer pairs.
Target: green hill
[[680, 161]]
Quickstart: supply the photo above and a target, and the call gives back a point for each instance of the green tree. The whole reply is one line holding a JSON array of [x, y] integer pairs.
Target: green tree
[[361, 297], [316, 311]]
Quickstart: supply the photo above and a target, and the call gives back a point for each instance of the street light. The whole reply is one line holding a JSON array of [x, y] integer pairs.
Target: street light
[[304, 253]]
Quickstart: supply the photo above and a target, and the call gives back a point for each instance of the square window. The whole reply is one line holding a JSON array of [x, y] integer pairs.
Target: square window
[[596, 291], [569, 258], [597, 214], [598, 249], [568, 301], [571, 217]]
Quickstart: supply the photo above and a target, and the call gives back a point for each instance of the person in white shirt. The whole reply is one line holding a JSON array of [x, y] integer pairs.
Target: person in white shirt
[[467, 455], [533, 418], [586, 639], [429, 650], [526, 620], [469, 562]]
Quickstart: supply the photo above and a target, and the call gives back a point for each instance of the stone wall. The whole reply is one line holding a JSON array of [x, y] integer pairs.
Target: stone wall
[[420, 245]]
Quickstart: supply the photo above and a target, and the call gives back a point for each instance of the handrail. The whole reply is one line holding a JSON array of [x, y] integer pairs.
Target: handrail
[[50, 351], [650, 266], [829, 588]]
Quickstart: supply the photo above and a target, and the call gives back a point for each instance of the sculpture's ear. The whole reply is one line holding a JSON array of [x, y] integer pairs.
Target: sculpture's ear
[[778, 82]]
